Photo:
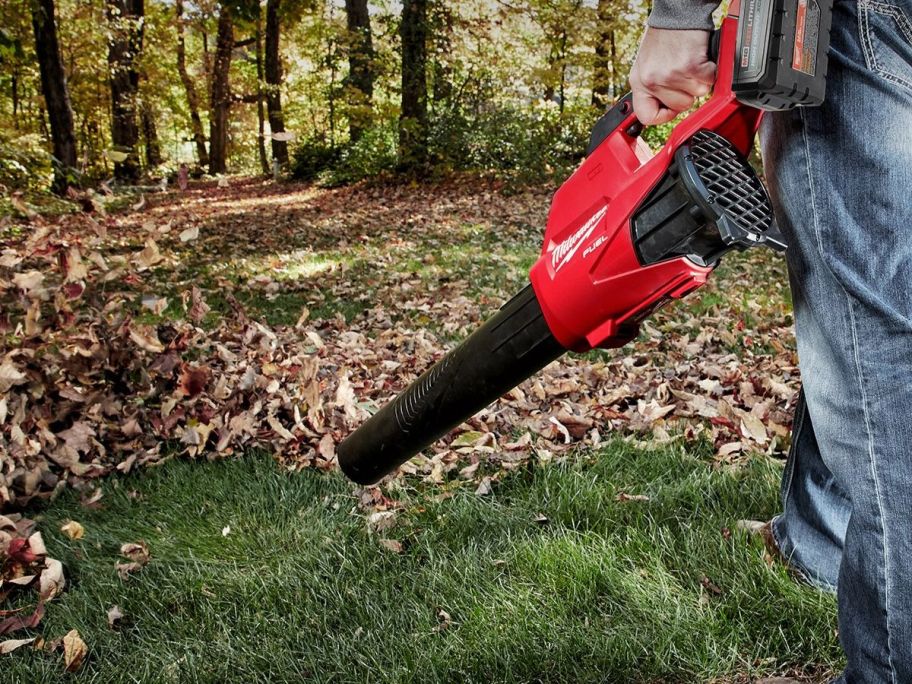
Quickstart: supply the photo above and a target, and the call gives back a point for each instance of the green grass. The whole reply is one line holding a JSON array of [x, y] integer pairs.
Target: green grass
[[300, 590]]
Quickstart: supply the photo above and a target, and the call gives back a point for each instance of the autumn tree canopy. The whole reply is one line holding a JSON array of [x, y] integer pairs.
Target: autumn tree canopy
[[135, 88]]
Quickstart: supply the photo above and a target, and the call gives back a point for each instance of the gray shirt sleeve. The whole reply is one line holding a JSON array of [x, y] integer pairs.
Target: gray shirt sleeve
[[682, 14]]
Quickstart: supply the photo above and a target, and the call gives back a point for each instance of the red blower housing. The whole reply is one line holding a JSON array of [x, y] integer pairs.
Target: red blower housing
[[628, 232]]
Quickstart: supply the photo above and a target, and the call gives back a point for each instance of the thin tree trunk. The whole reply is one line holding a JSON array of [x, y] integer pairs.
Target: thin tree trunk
[[603, 76], [125, 22], [413, 119], [441, 71], [150, 135], [274, 81], [196, 123], [360, 67], [261, 116], [54, 88], [220, 96]]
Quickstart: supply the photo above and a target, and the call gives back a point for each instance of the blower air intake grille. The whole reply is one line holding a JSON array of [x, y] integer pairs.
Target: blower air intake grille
[[709, 201], [731, 182]]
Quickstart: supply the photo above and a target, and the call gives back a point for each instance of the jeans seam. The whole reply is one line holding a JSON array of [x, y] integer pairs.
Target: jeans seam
[[867, 44], [790, 462], [860, 379]]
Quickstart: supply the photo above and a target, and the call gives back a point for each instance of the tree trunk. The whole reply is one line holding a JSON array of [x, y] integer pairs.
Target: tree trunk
[[196, 123], [441, 69], [274, 82], [220, 96], [261, 116], [54, 88], [413, 119], [360, 67], [150, 135], [605, 51], [125, 23]]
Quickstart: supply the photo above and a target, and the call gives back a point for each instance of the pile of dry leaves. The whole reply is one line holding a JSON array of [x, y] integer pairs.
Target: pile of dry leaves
[[86, 389], [28, 574]]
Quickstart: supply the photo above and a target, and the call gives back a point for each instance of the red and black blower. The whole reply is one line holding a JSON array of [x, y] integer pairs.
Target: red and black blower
[[627, 233]]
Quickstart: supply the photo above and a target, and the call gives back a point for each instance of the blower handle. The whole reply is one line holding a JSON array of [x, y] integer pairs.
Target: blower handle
[[621, 113], [512, 345]]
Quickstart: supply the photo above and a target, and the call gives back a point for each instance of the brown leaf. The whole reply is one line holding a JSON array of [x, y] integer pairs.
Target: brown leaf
[[17, 622], [391, 545], [382, 520], [327, 447], [149, 256], [710, 586], [138, 552], [444, 620], [193, 380], [124, 570], [10, 376], [74, 651], [146, 338], [198, 306]]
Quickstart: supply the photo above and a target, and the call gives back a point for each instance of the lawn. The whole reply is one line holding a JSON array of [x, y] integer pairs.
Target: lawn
[[582, 528], [619, 565]]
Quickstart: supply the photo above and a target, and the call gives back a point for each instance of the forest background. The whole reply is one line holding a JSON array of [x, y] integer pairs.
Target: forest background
[[334, 91]]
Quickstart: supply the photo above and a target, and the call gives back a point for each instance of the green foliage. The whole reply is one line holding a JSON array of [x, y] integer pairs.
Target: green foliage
[[24, 163], [313, 157], [522, 143], [373, 155]]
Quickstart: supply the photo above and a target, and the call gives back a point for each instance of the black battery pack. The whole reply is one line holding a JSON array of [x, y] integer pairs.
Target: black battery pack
[[781, 60]]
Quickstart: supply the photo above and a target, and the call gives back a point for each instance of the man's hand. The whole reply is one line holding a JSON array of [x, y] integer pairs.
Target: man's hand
[[671, 70]]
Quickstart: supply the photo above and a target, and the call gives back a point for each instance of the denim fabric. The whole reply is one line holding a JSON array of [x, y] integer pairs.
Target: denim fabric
[[841, 180]]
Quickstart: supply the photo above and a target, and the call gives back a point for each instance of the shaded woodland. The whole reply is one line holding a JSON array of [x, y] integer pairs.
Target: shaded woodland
[[335, 91]]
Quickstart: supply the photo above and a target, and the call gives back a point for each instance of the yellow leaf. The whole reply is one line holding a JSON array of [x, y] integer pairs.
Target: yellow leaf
[[73, 529], [74, 651]]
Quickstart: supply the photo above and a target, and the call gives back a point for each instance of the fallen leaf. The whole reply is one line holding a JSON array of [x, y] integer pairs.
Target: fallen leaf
[[74, 651], [73, 529], [52, 581], [391, 545], [444, 620], [624, 497], [382, 520], [138, 552], [115, 615], [11, 645], [146, 338], [189, 234]]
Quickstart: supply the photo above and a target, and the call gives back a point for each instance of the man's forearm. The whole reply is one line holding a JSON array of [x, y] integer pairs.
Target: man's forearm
[[682, 14]]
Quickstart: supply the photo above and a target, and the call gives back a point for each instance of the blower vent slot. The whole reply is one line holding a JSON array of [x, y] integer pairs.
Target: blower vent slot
[[708, 202], [731, 182]]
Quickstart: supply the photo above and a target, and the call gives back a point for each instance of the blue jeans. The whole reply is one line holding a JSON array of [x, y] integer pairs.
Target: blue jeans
[[841, 180]]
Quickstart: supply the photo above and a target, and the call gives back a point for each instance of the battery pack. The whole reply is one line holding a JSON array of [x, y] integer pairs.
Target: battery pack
[[781, 60]]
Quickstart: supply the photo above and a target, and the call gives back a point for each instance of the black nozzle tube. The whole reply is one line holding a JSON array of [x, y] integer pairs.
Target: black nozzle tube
[[512, 345]]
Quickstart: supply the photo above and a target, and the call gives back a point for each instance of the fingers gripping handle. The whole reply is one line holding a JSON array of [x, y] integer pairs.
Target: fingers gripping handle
[[507, 349], [622, 114]]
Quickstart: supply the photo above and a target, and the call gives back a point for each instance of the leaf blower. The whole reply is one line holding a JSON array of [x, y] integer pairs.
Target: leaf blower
[[627, 233]]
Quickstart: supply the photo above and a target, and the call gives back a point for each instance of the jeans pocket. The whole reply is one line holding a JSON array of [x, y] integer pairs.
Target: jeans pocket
[[886, 38]]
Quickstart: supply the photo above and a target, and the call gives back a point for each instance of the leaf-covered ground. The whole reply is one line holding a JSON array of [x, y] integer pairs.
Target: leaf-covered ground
[[222, 318]]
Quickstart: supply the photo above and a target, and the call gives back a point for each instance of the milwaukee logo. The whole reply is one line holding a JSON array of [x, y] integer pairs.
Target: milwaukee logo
[[565, 250]]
